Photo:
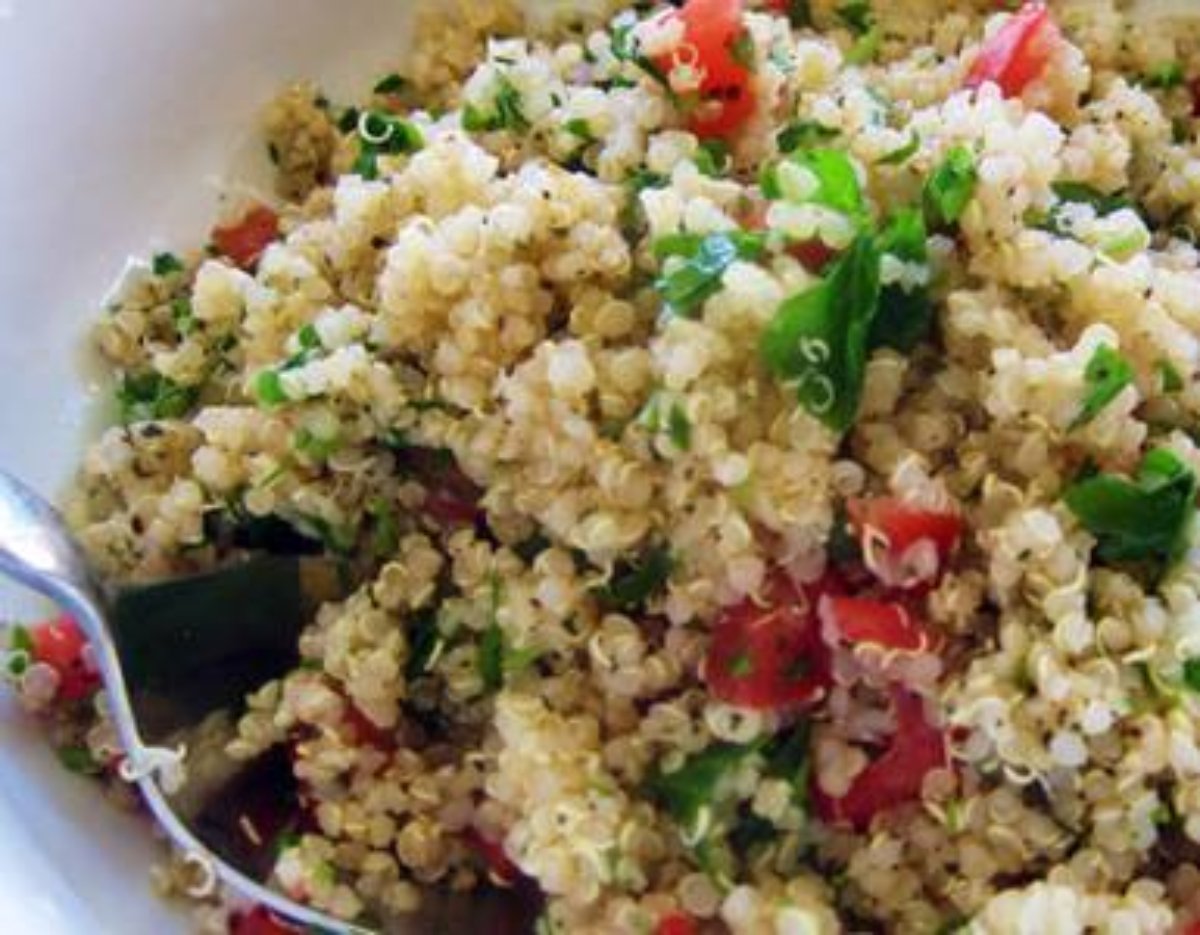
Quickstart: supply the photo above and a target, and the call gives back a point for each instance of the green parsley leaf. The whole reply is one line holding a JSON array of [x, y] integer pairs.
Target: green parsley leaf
[[348, 120], [741, 50], [164, 264], [79, 759], [691, 793], [901, 154], [950, 188], [838, 187], [379, 134], [857, 16], [385, 536], [865, 48], [506, 113], [1164, 76], [314, 446], [818, 339], [580, 129], [183, 315], [1083, 193], [697, 279], [803, 134], [147, 396], [308, 337], [20, 639], [905, 315], [1143, 519], [1169, 377], [799, 13], [390, 84], [712, 158], [679, 427], [632, 584], [268, 387], [426, 644], [1106, 374], [1191, 674], [491, 645]]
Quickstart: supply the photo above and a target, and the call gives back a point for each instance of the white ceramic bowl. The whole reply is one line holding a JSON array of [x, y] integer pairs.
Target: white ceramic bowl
[[119, 119]]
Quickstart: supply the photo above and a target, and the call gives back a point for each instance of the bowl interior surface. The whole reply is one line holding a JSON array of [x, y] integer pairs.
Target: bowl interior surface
[[120, 124]]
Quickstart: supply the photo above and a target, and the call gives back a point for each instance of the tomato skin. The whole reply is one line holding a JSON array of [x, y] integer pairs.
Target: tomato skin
[[244, 241], [59, 643], [770, 656], [1019, 51], [859, 621], [897, 775], [814, 255], [363, 731], [259, 921], [712, 27], [500, 866], [902, 526], [676, 923]]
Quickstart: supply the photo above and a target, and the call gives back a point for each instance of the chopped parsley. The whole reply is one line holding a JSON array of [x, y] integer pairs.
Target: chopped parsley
[[79, 759], [857, 16], [818, 340], [1191, 674], [799, 13], [1106, 374], [1169, 377], [905, 310], [1142, 519], [145, 397], [506, 112], [632, 584], [164, 264], [901, 154], [268, 388], [803, 134], [314, 445], [1164, 76], [705, 259], [950, 188], [390, 84], [426, 645], [491, 645], [1083, 193], [382, 134], [837, 185], [691, 793], [580, 129], [183, 316], [712, 158]]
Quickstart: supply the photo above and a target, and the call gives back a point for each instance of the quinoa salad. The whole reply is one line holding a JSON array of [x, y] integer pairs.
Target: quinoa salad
[[758, 442]]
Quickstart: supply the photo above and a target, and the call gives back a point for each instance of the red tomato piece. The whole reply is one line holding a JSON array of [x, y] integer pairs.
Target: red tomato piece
[[860, 622], [676, 923], [1019, 51], [500, 866], [259, 921], [60, 644], [1192, 928], [888, 530], [245, 240], [896, 777], [771, 655], [365, 732], [712, 28]]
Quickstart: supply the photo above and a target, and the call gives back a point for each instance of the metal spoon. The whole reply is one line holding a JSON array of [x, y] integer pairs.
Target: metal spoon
[[201, 814]]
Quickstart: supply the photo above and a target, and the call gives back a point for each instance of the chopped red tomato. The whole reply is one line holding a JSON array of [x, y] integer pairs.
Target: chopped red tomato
[[676, 923], [1018, 52], [451, 498], [712, 32], [365, 732], [864, 622], [259, 921], [245, 240], [500, 867], [896, 777], [60, 644], [904, 546], [770, 655], [1192, 928]]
